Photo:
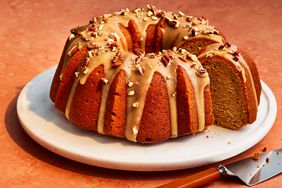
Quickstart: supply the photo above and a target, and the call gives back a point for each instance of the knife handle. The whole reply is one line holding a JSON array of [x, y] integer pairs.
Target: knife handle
[[195, 180]]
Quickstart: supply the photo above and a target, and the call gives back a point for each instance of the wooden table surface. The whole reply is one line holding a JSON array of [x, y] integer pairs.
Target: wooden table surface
[[32, 36]]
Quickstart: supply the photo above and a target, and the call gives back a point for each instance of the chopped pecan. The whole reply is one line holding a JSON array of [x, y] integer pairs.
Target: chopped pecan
[[194, 32], [191, 57], [182, 59], [193, 65], [189, 19], [91, 46], [104, 80], [161, 14], [236, 54], [138, 51], [173, 23], [113, 45], [221, 47], [94, 35], [201, 72], [117, 59], [73, 50], [235, 58], [175, 16], [93, 20], [227, 45], [140, 69], [166, 59], [92, 27], [151, 55]]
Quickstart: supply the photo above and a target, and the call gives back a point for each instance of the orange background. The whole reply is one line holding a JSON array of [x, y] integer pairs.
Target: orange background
[[32, 35]]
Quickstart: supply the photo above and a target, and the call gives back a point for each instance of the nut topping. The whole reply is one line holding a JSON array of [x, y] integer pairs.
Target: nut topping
[[71, 36], [135, 105], [235, 58], [93, 20], [150, 13], [221, 47], [73, 50], [140, 69], [104, 80], [130, 84], [227, 45], [117, 59], [194, 31], [91, 46], [139, 51], [76, 74], [185, 37], [193, 65], [209, 55], [191, 57], [201, 72], [161, 14], [131, 93], [166, 59], [173, 23], [236, 53], [151, 55], [92, 28], [180, 14], [182, 59]]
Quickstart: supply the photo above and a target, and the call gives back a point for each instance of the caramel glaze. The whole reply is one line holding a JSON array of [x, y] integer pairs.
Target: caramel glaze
[[105, 52]]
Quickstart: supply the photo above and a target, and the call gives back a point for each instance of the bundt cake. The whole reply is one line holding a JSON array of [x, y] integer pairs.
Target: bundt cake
[[135, 75]]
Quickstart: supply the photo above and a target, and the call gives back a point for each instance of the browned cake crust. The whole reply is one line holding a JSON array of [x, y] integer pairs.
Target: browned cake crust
[[135, 34], [209, 118], [127, 36], [115, 118], [56, 79], [150, 33], [67, 79], [250, 98], [155, 124], [186, 108], [85, 105], [159, 35], [254, 72]]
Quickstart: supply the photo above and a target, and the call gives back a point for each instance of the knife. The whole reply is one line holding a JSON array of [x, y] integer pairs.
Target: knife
[[251, 171]]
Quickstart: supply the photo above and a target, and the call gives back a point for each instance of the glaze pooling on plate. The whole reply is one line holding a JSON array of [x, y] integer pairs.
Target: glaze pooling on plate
[[52, 131]]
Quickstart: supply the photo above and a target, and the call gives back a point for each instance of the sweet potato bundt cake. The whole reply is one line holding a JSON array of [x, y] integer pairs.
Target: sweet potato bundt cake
[[147, 75]]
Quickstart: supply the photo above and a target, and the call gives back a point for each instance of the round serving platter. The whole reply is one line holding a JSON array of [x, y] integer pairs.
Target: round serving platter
[[46, 126]]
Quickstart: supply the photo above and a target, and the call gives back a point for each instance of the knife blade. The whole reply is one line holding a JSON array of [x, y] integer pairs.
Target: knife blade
[[250, 171]]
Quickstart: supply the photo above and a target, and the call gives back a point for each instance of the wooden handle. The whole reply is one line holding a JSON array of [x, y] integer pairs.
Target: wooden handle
[[195, 180]]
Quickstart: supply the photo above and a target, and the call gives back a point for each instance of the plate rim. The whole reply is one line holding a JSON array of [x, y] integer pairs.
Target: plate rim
[[161, 166]]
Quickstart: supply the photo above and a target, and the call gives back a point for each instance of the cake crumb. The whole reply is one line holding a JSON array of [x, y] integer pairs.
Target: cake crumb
[[264, 149], [267, 160], [256, 156], [229, 142], [207, 136]]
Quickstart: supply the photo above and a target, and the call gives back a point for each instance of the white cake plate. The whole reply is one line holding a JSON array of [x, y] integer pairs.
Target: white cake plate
[[51, 130]]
